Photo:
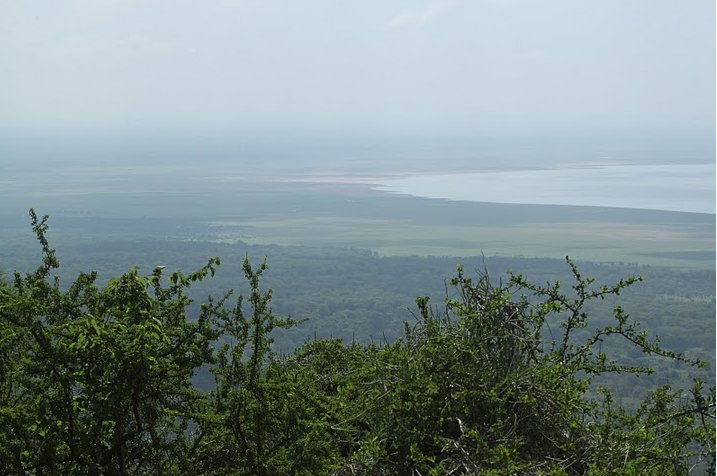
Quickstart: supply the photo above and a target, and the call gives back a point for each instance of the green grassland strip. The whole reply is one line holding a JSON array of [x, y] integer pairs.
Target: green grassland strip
[[660, 245]]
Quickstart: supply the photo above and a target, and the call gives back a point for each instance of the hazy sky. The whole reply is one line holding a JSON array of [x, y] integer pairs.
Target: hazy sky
[[339, 67]]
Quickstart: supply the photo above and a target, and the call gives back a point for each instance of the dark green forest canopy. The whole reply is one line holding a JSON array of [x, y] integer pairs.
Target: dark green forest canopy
[[96, 378], [356, 295]]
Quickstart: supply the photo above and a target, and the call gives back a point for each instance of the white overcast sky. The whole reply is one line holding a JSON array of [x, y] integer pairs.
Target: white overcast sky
[[362, 65]]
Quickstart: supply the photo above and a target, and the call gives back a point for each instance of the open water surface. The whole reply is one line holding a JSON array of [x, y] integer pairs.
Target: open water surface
[[683, 188]]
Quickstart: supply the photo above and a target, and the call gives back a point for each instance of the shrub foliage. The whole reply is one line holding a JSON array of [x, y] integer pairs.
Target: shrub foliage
[[498, 380]]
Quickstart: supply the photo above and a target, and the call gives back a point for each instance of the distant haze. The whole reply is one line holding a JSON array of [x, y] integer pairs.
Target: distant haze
[[624, 79]]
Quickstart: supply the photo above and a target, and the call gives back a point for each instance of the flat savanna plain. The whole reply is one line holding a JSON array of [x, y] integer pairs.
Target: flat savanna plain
[[400, 225], [194, 203]]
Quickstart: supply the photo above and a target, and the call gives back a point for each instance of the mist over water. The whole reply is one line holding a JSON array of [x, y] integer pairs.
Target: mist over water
[[684, 188], [148, 97], [502, 171]]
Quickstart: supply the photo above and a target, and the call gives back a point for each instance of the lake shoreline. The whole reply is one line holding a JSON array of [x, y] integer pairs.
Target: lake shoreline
[[684, 188]]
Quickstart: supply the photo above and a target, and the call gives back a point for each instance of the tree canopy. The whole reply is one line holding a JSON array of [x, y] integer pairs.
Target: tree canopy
[[497, 380]]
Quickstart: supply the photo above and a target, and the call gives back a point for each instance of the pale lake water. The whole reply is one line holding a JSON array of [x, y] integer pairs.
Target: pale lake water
[[684, 188]]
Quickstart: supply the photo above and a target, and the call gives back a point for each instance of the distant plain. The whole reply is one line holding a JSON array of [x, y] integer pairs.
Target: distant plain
[[230, 202]]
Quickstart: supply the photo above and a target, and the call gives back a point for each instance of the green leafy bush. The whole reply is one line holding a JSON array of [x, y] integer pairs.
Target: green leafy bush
[[97, 380]]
